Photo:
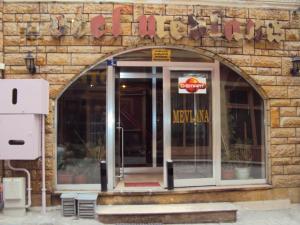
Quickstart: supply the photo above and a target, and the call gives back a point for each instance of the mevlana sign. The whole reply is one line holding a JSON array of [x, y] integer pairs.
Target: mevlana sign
[[151, 26]]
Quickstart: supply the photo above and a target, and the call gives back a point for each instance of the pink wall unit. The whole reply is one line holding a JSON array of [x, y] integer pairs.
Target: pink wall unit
[[23, 103], [20, 137], [29, 96]]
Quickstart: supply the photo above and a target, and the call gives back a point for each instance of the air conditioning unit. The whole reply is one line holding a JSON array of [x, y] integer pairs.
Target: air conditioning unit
[[14, 196]]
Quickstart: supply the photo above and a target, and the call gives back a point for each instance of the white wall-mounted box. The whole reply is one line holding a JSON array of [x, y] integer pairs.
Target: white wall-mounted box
[[22, 105], [20, 136], [14, 196], [24, 96]]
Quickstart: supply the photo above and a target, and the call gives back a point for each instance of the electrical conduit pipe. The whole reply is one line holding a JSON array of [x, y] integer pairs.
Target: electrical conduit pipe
[[43, 168]]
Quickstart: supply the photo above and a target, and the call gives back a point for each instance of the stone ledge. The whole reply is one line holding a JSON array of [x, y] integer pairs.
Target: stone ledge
[[191, 190], [180, 190]]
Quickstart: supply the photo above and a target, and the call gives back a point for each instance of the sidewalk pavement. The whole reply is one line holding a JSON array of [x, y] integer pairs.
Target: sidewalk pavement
[[276, 212]]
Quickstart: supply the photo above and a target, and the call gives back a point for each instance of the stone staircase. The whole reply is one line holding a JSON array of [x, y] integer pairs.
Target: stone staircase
[[167, 213]]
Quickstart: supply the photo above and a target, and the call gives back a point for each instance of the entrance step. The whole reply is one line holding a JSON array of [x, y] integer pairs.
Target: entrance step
[[154, 195], [167, 213]]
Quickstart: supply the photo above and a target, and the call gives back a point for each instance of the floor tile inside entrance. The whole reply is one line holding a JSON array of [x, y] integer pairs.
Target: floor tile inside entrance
[[141, 181]]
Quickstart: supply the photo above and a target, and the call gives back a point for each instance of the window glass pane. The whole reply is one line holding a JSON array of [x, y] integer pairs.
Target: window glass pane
[[81, 130], [243, 151], [191, 140]]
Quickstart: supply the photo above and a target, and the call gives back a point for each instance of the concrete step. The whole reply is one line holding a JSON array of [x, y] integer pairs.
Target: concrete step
[[167, 213], [189, 195]]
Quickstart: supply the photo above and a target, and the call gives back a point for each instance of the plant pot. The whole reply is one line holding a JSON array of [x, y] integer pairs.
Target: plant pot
[[228, 173], [80, 179], [242, 173], [64, 178]]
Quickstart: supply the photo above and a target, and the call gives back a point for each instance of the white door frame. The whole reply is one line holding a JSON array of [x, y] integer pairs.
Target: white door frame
[[110, 127], [216, 118], [153, 77]]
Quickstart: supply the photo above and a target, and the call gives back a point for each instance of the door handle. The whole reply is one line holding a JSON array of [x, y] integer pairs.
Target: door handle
[[122, 151]]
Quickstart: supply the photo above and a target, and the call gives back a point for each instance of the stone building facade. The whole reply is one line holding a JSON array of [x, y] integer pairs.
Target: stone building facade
[[265, 64]]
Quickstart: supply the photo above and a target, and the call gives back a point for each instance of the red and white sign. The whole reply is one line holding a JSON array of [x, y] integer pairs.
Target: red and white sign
[[192, 85]]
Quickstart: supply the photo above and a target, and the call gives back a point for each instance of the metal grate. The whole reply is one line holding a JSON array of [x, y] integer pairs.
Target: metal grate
[[86, 204], [68, 203]]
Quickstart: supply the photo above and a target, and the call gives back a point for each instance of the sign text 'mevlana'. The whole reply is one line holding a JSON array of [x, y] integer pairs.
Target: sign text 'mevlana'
[[151, 26]]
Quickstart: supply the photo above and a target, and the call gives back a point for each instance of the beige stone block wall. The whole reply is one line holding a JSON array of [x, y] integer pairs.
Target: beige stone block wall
[[266, 65]]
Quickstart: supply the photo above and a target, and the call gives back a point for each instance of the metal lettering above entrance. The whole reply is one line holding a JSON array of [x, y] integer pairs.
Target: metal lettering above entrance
[[160, 26]]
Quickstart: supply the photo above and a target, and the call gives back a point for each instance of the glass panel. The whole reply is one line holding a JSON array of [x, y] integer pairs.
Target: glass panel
[[135, 117], [159, 119], [191, 126], [119, 132], [81, 130], [243, 154]]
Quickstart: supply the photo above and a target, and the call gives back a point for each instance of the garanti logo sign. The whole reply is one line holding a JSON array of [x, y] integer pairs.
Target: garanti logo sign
[[192, 85]]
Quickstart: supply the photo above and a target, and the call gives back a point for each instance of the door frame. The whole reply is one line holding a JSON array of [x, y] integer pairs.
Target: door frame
[[151, 77], [167, 67], [214, 69]]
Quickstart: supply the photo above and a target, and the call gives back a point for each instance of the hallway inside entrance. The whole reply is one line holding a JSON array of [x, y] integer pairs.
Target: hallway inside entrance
[[139, 139]]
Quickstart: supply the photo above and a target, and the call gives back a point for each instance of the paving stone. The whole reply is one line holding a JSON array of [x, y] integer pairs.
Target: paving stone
[[279, 212]]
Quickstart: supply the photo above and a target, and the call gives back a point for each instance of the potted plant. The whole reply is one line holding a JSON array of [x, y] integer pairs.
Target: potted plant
[[228, 172], [81, 171], [80, 179], [64, 177], [244, 153]]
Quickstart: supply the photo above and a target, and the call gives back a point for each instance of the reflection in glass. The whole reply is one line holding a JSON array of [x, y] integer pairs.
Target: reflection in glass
[[81, 130], [134, 118], [134, 114], [191, 129], [243, 155]]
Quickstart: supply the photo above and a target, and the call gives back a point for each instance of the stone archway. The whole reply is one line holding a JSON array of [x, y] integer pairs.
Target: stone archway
[[231, 62], [227, 62]]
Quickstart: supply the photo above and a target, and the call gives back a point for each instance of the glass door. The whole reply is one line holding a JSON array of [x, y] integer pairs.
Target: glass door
[[119, 133], [191, 123], [134, 122], [138, 126]]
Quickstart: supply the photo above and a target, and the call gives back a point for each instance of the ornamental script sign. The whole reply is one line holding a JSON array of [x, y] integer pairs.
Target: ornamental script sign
[[151, 26], [196, 28]]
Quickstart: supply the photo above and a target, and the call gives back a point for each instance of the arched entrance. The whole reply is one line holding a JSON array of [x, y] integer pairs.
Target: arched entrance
[[146, 107]]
